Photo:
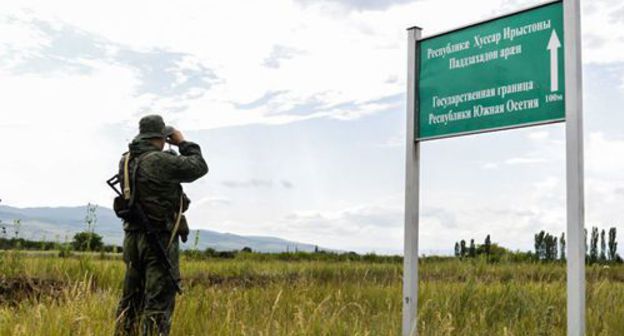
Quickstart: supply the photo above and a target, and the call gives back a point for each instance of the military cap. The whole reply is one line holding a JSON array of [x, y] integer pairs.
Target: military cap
[[153, 126]]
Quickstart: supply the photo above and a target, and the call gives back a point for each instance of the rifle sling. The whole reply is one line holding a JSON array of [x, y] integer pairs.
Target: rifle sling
[[176, 227], [126, 186]]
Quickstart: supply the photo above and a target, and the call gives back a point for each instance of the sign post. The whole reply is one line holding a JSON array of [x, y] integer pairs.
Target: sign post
[[412, 188], [574, 169], [518, 70]]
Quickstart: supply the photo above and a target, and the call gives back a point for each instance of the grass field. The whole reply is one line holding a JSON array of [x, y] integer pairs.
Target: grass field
[[45, 295]]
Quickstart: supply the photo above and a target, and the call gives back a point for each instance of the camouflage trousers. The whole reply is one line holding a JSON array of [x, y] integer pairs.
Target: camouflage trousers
[[148, 298]]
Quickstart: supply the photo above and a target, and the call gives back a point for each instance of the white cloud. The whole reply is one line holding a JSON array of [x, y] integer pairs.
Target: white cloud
[[367, 227], [490, 165], [394, 141], [58, 154], [212, 201], [603, 32], [217, 35], [605, 155], [524, 160], [539, 135]]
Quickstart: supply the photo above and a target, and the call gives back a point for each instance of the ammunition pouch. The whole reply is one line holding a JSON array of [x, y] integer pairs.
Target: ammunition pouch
[[121, 206], [183, 230]]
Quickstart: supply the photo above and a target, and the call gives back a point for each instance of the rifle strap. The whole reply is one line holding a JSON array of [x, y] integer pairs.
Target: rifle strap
[[176, 227], [135, 168], [126, 186]]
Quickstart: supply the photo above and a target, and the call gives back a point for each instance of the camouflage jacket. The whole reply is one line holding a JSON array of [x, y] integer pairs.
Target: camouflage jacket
[[158, 179]]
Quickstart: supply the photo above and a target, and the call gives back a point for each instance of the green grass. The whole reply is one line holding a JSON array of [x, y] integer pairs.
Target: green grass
[[251, 297]]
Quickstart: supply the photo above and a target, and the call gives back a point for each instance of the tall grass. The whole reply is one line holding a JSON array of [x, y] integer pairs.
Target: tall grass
[[270, 297]]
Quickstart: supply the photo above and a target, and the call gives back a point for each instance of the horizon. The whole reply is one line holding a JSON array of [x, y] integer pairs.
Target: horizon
[[422, 253]]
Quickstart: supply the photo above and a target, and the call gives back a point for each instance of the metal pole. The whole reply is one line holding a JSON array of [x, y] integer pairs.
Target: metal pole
[[412, 166], [574, 168]]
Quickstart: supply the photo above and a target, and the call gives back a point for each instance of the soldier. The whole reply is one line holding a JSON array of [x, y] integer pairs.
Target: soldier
[[149, 293]]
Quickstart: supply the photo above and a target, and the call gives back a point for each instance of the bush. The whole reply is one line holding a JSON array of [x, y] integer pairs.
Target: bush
[[87, 241]]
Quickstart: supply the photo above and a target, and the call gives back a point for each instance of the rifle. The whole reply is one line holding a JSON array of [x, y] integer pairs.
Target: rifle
[[136, 213]]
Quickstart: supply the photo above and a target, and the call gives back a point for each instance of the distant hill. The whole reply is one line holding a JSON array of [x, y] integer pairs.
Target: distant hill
[[61, 223]]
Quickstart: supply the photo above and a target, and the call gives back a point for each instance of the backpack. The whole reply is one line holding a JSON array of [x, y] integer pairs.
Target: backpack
[[123, 202]]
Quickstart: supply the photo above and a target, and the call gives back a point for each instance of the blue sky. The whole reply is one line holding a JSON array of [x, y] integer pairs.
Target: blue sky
[[299, 108]]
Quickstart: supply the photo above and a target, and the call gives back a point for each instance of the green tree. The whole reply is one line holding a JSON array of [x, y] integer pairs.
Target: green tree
[[603, 247], [487, 246], [540, 244], [87, 241], [593, 247], [457, 250], [462, 248], [612, 244], [549, 249], [562, 247], [472, 251]]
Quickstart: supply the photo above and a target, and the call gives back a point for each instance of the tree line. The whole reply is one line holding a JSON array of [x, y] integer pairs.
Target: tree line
[[600, 246], [491, 251]]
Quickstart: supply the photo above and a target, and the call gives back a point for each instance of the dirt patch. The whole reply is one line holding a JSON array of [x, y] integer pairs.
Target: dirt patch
[[16, 290]]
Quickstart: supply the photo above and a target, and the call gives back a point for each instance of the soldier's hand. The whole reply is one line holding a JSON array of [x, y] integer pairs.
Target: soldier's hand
[[175, 138]]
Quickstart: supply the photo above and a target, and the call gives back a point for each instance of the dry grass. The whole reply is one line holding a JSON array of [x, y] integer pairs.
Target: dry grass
[[243, 297]]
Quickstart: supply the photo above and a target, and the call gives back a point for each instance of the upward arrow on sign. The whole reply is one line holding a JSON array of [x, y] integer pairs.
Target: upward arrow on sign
[[553, 45]]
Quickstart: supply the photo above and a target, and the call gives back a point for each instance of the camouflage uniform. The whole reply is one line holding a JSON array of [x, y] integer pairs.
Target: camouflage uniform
[[148, 297]]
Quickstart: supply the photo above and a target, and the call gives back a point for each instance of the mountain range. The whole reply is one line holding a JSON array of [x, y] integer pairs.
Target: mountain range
[[62, 223]]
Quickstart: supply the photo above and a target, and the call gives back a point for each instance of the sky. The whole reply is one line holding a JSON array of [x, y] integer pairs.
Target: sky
[[299, 107]]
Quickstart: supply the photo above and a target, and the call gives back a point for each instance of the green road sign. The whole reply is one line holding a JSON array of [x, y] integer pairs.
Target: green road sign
[[504, 73]]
